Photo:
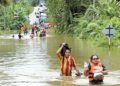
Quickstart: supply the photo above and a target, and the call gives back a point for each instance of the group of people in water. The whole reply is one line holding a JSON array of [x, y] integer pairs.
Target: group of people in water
[[22, 30], [39, 32], [95, 70], [35, 31]]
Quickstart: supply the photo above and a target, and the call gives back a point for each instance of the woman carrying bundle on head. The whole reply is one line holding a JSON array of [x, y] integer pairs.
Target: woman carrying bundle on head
[[66, 60]]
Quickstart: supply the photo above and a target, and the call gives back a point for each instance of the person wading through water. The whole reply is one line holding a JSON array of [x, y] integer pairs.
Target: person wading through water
[[66, 60], [95, 70]]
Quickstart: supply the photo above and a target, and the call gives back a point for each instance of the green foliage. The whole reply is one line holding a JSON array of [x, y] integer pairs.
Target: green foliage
[[93, 29], [98, 17], [116, 22], [88, 23], [83, 18], [60, 14], [14, 14], [33, 2], [5, 2], [1, 17]]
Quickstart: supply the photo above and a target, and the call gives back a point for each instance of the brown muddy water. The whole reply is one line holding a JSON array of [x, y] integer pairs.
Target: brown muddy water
[[33, 62]]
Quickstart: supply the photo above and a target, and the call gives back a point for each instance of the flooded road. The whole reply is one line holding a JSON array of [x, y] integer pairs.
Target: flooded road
[[32, 62]]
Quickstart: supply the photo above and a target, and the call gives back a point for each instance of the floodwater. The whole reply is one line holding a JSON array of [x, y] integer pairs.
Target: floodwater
[[33, 62]]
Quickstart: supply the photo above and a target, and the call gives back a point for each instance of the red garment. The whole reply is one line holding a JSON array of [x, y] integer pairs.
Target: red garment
[[33, 27], [66, 65]]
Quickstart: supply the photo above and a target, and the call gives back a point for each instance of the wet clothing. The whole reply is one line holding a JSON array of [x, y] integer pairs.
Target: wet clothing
[[66, 65], [94, 68], [33, 28], [104, 68]]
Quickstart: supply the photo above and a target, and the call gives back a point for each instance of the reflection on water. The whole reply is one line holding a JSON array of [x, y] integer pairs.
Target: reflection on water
[[27, 66], [32, 62]]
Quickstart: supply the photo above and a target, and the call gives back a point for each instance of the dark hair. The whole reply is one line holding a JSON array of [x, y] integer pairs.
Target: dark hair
[[65, 47], [91, 58]]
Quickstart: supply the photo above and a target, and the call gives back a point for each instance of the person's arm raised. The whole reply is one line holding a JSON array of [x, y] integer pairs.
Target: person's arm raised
[[59, 50]]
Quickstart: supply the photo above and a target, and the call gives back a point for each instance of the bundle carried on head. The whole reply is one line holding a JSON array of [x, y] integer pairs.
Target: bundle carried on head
[[65, 47]]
